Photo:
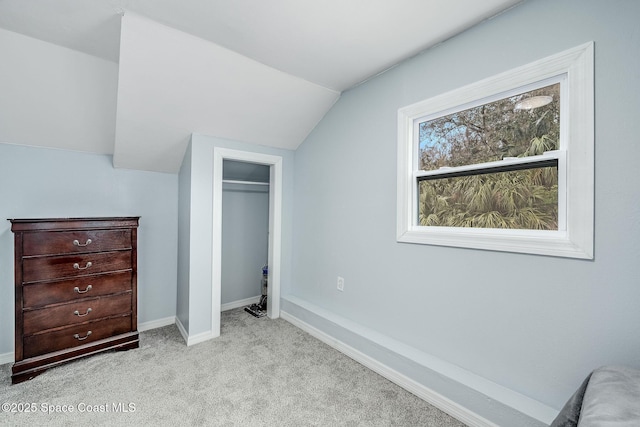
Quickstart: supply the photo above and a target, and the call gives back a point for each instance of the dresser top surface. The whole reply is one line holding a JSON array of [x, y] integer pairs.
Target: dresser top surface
[[42, 224]]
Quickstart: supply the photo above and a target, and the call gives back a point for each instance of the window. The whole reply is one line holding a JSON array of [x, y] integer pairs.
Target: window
[[503, 164]]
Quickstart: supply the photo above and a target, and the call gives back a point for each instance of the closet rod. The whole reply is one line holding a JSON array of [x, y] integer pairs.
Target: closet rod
[[231, 181]]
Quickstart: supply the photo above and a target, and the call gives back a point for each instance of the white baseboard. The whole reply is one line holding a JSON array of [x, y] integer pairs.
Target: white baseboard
[[240, 303], [159, 323], [198, 338], [183, 331], [535, 410], [195, 339], [6, 358], [444, 404]]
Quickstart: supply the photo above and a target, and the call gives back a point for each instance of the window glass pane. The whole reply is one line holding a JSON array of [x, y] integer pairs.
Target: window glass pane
[[516, 126], [524, 199]]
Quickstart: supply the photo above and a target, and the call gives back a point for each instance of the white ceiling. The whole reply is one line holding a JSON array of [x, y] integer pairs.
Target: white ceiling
[[171, 84], [302, 53]]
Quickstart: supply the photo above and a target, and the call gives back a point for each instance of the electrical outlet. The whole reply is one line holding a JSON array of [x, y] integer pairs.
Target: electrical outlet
[[340, 284]]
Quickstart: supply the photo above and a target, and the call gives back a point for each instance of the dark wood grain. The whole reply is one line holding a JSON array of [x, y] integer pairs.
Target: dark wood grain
[[56, 267], [43, 224], [76, 312], [17, 267], [54, 292], [49, 290], [62, 242], [75, 335]]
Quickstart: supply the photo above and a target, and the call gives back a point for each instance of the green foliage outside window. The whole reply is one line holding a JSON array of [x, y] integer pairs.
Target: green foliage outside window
[[524, 199]]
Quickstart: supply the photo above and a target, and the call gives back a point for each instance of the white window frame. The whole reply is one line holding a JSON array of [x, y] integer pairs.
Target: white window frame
[[574, 237]]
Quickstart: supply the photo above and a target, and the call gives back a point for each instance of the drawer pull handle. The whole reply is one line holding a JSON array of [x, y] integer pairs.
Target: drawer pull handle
[[77, 266], [77, 290], [79, 338], [77, 313], [77, 243]]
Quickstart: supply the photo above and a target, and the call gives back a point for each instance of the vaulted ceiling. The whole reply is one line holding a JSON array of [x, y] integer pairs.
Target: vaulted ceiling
[[257, 71]]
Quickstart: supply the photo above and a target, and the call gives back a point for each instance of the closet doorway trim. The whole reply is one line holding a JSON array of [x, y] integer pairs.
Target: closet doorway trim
[[275, 228]]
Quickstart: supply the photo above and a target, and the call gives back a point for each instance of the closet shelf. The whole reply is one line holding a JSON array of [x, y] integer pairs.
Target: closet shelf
[[231, 181]]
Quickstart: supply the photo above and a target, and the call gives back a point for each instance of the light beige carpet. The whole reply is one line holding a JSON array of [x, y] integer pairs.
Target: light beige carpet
[[259, 372]]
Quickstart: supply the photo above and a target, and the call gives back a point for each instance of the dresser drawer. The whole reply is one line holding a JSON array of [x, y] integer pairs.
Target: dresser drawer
[[69, 242], [76, 312], [45, 293], [55, 267], [74, 336]]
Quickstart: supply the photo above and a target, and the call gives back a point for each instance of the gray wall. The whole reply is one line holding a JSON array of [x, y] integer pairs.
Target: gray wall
[[184, 239], [196, 264], [245, 234], [533, 324], [40, 182]]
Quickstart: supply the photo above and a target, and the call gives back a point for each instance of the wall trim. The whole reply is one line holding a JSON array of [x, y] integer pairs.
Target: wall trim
[[239, 303], [182, 330], [275, 229], [158, 323], [493, 392], [195, 339], [201, 337], [6, 358], [457, 411]]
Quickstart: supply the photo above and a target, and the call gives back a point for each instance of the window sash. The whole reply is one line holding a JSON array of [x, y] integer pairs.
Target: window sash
[[549, 158], [556, 158]]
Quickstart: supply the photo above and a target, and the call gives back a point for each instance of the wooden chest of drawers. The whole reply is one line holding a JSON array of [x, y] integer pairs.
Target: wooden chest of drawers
[[75, 290]]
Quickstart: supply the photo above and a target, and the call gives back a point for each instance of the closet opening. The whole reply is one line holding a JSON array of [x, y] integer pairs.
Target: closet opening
[[245, 173], [245, 237]]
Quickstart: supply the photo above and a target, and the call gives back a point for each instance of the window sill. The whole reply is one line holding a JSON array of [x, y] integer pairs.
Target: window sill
[[549, 243]]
